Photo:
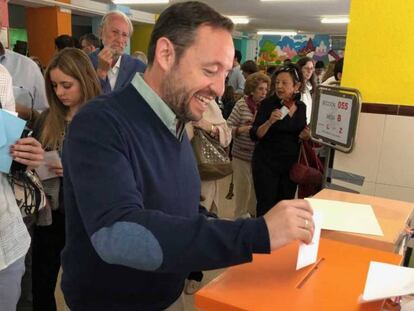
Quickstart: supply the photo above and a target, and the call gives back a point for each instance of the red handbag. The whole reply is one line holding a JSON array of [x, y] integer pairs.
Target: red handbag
[[302, 172]]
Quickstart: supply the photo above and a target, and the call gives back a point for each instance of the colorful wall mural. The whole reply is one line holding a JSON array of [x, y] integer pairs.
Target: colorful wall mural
[[275, 49]]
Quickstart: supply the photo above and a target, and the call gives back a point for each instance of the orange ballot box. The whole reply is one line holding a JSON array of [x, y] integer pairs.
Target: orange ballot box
[[271, 282], [392, 216]]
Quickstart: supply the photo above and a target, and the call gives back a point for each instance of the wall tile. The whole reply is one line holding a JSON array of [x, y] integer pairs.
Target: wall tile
[[395, 192], [364, 158], [396, 166]]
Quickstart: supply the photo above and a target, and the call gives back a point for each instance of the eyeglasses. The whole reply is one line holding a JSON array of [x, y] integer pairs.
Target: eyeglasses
[[289, 69]]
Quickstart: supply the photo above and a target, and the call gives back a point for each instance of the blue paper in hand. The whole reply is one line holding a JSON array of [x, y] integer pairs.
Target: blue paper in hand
[[11, 129]]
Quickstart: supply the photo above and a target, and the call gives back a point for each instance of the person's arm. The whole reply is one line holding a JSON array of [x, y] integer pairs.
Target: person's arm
[[274, 117], [8, 102], [40, 102], [234, 121], [265, 118], [27, 151]]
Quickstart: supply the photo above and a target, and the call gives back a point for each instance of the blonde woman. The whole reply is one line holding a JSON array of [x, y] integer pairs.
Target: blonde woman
[[240, 122], [70, 82]]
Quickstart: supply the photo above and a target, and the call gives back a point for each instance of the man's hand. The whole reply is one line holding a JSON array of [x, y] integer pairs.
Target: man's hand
[[27, 151], [288, 221], [105, 59]]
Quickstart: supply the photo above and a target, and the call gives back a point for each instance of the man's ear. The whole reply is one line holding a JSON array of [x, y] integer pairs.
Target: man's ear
[[165, 53]]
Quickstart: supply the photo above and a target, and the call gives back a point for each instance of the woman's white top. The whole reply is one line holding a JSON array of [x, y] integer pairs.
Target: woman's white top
[[306, 97]]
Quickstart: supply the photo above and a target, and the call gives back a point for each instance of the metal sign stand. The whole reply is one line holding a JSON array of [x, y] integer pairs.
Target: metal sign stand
[[334, 122]]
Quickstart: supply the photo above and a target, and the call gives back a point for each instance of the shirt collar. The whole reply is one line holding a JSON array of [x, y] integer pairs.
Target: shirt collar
[[161, 109], [117, 65]]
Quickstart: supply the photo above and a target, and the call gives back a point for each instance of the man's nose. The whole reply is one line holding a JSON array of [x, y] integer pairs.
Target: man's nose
[[218, 85]]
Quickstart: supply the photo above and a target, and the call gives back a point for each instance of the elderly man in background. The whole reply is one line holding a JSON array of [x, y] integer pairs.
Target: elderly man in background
[[115, 69]]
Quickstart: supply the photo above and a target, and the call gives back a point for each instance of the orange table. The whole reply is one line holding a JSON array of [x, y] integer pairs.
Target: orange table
[[270, 281], [392, 216]]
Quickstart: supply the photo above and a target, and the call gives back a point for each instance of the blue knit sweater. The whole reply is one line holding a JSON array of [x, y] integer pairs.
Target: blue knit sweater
[[131, 201]]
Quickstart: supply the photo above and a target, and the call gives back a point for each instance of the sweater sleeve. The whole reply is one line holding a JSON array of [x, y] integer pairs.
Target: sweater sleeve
[[122, 230]]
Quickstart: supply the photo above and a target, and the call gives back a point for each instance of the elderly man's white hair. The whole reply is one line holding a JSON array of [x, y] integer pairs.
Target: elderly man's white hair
[[106, 18]]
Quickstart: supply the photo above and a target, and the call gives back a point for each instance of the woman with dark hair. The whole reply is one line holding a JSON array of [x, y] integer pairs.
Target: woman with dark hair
[[280, 123], [307, 68], [71, 81]]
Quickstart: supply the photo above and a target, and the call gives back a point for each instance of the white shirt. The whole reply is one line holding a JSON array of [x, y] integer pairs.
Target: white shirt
[[306, 97], [237, 80], [113, 73], [14, 238], [28, 81], [6, 91]]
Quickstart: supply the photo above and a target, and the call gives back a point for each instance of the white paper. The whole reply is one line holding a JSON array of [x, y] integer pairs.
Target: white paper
[[308, 253], [386, 280], [348, 217], [50, 158]]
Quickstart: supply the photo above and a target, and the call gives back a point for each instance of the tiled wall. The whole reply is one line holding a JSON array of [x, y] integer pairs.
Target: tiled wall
[[384, 154]]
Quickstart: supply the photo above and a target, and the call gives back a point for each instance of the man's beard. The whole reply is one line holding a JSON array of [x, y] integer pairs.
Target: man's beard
[[177, 97]]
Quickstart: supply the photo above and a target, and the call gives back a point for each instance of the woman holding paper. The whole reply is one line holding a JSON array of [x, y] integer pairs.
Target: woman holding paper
[[279, 123], [70, 82]]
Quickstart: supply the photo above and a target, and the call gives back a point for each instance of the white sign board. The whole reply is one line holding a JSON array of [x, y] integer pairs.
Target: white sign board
[[334, 117]]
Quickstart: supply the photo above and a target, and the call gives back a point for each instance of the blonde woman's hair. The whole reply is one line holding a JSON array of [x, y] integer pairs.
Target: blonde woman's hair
[[75, 63]]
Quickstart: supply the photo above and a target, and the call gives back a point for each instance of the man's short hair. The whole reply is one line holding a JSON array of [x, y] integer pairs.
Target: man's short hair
[[249, 67], [179, 24], [339, 65], [91, 39], [64, 41], [107, 17], [320, 64], [238, 56]]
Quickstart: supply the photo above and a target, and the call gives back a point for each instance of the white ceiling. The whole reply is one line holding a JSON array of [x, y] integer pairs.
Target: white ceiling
[[302, 15]]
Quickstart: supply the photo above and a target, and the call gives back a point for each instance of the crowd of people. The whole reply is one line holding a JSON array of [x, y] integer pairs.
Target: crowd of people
[[127, 210]]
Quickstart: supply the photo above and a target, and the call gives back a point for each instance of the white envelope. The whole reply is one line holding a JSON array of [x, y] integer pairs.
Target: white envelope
[[348, 217], [50, 157], [385, 280]]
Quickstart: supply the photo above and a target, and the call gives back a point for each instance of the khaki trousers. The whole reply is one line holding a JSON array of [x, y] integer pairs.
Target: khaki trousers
[[244, 193]]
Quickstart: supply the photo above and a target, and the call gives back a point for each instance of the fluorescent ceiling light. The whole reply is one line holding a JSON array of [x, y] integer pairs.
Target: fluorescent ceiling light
[[297, 0], [239, 19], [277, 32], [140, 1], [335, 20]]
